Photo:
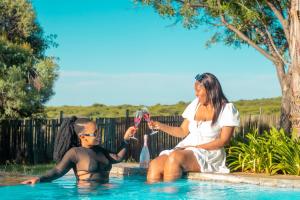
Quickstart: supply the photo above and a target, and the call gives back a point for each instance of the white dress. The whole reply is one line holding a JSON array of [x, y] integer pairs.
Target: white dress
[[202, 132]]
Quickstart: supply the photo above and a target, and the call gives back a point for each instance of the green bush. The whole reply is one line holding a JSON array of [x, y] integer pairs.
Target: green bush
[[273, 152]]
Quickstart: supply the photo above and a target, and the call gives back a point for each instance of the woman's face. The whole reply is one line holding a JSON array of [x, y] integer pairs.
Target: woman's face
[[201, 93], [89, 128]]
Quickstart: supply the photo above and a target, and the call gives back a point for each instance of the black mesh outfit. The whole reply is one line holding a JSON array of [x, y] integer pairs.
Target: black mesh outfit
[[95, 161]]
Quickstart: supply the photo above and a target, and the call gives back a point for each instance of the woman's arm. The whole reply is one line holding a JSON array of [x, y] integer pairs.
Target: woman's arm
[[224, 139], [58, 171], [180, 132]]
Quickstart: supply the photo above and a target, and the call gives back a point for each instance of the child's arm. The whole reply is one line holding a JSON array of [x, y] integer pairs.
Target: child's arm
[[58, 171]]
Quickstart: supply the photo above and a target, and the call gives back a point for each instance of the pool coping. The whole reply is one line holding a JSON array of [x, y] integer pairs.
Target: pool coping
[[283, 181]]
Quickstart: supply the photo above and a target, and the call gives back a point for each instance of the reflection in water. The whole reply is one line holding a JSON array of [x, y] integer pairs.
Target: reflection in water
[[86, 188], [170, 189]]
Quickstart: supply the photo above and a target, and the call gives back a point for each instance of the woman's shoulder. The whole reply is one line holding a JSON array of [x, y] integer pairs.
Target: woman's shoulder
[[229, 109], [193, 104], [229, 105], [190, 109], [229, 115]]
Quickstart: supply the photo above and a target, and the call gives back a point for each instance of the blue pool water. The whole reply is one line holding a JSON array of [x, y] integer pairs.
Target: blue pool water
[[136, 188]]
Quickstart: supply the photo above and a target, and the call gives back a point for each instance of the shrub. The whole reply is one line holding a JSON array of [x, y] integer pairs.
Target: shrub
[[273, 152]]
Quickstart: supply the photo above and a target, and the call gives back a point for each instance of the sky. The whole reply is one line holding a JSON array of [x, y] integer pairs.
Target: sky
[[116, 52]]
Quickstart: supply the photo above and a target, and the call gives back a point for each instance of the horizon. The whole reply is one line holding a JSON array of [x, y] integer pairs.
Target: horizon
[[99, 103]]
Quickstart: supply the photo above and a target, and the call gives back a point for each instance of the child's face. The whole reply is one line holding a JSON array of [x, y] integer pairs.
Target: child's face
[[89, 140]]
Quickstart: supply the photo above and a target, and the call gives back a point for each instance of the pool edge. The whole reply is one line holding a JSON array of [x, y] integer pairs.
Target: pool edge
[[288, 181]]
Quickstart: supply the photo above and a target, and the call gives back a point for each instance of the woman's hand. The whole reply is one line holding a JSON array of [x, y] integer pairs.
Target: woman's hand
[[181, 131], [31, 181], [154, 125], [131, 131]]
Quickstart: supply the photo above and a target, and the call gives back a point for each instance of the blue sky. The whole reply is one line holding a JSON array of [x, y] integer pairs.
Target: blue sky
[[115, 52]]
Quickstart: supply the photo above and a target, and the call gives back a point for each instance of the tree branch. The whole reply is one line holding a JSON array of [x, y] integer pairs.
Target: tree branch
[[283, 22], [274, 46], [244, 37], [278, 4], [280, 70], [270, 38], [279, 65], [263, 35]]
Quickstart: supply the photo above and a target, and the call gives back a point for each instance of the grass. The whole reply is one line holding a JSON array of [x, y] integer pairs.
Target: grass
[[16, 169], [13, 168], [245, 107], [268, 106]]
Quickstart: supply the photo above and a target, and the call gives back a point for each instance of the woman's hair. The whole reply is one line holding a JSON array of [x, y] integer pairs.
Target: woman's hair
[[214, 92], [67, 136]]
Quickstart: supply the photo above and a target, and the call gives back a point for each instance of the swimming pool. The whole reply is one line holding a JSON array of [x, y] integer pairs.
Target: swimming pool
[[134, 187]]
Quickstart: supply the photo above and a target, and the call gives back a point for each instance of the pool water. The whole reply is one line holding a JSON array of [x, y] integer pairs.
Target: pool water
[[136, 188]]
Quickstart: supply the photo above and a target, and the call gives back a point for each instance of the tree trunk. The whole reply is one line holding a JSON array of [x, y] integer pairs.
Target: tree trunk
[[290, 102], [294, 70], [295, 101], [285, 121]]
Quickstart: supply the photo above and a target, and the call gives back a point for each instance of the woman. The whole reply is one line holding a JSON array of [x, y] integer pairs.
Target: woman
[[208, 125], [77, 147]]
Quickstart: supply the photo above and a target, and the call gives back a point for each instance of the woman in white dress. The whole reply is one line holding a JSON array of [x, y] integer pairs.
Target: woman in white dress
[[208, 125]]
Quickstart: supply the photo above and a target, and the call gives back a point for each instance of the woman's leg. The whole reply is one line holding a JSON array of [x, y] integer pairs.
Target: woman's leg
[[180, 161], [156, 169]]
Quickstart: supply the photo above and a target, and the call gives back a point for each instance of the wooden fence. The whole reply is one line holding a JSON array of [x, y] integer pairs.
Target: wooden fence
[[29, 141], [32, 141]]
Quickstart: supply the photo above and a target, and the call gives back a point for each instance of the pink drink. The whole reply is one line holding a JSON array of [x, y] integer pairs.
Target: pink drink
[[137, 121], [147, 117]]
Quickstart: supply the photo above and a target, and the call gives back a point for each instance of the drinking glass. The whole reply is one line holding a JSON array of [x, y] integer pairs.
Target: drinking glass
[[137, 120], [146, 115]]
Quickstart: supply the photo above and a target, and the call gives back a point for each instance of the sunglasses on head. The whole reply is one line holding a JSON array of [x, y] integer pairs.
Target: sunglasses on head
[[199, 77]]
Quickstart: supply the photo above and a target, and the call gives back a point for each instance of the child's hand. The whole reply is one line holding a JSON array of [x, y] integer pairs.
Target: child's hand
[[130, 133], [31, 181]]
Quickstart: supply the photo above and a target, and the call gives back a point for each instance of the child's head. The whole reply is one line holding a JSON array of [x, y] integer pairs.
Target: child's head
[[86, 131], [74, 132]]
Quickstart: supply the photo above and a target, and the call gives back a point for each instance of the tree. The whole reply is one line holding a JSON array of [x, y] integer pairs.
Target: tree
[[272, 27], [27, 75]]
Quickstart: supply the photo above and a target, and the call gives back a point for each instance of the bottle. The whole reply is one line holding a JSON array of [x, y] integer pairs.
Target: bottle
[[145, 155]]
